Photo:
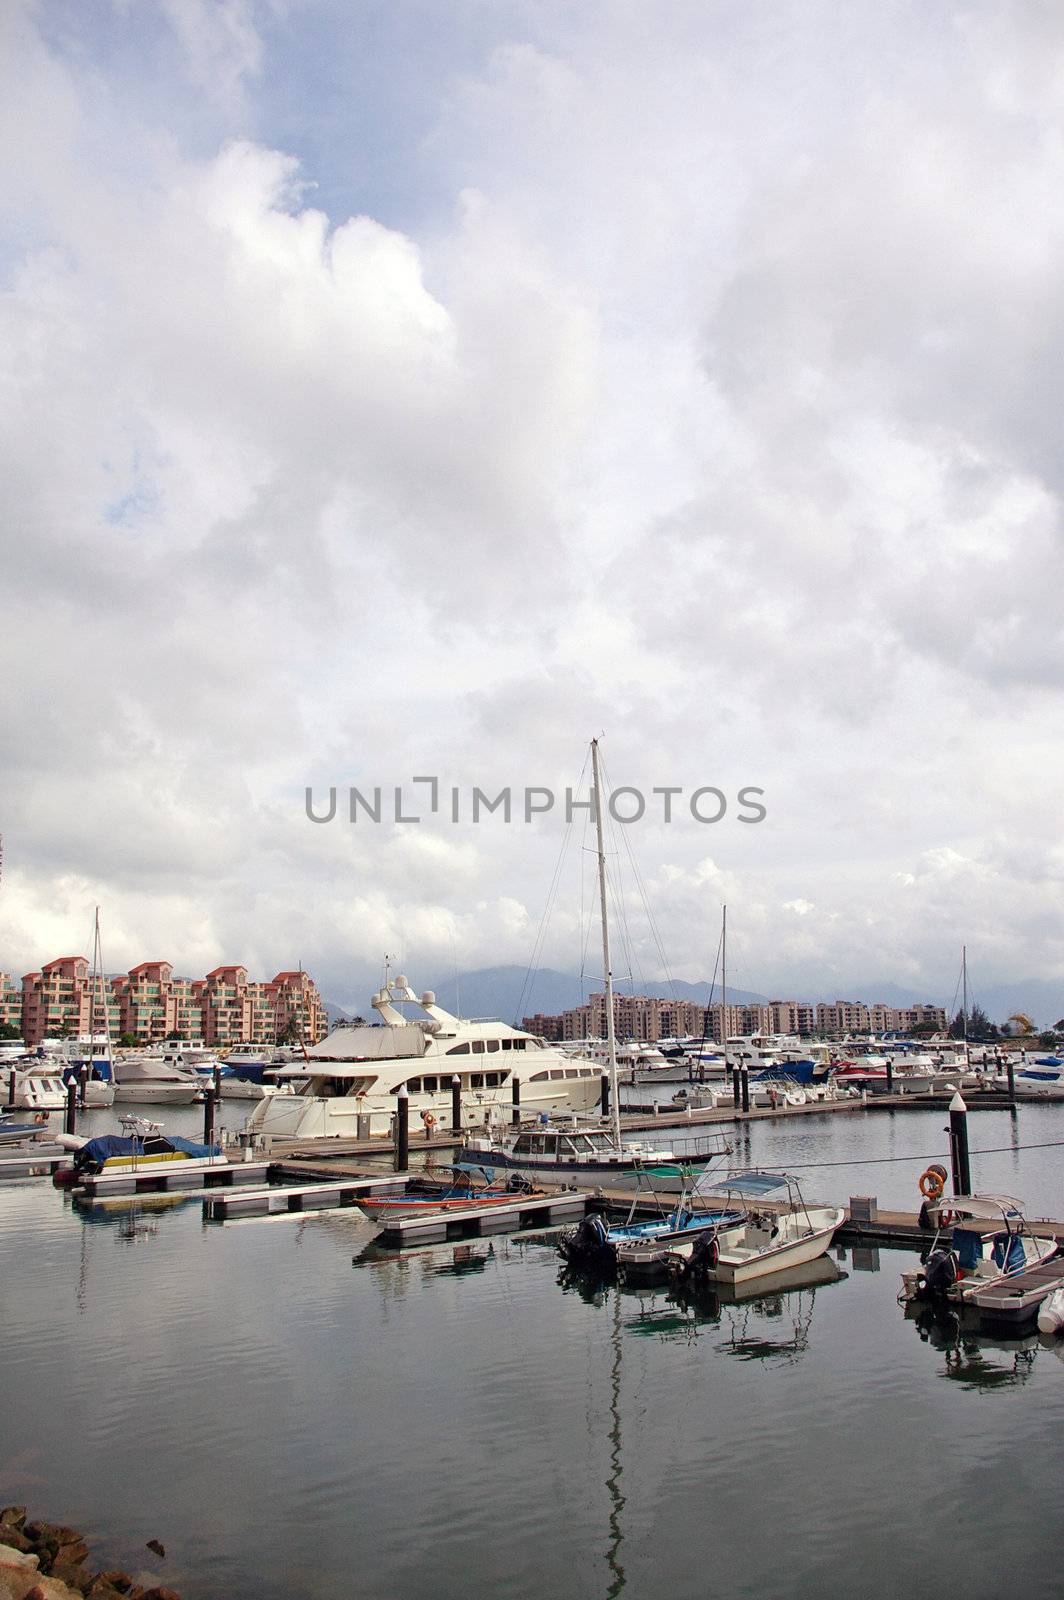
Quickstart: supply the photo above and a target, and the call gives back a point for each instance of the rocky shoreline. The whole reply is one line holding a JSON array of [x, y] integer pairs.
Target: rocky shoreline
[[45, 1561]]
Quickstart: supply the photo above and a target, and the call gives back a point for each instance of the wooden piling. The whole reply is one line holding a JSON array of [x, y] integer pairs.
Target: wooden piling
[[958, 1146], [456, 1104], [402, 1129], [70, 1121]]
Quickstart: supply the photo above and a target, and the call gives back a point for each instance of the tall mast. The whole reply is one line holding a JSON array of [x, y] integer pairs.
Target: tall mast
[[97, 961], [724, 988], [964, 999], [611, 1036]]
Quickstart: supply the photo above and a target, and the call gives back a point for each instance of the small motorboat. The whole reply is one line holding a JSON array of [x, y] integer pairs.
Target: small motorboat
[[980, 1242], [639, 1249], [143, 1147], [768, 1237], [14, 1130], [467, 1186]]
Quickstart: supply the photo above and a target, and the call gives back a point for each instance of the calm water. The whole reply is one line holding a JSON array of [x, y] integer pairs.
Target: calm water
[[295, 1416]]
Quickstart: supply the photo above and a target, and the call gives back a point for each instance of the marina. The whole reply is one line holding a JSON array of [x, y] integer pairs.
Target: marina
[[306, 1323]]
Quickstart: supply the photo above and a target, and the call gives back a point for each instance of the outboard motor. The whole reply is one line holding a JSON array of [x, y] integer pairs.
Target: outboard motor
[[703, 1258], [585, 1243], [940, 1273]]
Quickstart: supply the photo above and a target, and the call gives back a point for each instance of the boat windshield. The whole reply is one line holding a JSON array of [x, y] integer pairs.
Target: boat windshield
[[594, 1141]]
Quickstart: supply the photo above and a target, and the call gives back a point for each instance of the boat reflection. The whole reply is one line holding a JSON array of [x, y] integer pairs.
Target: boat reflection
[[973, 1357], [458, 1260], [764, 1319], [132, 1217]]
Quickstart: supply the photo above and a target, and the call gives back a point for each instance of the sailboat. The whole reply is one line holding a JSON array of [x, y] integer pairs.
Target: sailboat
[[571, 1152]]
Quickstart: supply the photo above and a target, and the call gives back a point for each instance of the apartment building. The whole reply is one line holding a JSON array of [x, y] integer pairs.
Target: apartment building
[[150, 1004], [10, 1001]]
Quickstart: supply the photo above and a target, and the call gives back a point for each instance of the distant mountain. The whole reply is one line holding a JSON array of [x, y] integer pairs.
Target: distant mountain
[[503, 992]]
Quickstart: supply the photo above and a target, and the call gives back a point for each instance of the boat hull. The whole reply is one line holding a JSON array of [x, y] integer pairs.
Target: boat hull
[[161, 1093]]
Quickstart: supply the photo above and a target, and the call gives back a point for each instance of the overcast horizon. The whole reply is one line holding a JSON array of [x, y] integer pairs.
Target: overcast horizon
[[393, 391]]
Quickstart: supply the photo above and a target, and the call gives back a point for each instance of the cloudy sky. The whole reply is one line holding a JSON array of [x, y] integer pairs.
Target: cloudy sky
[[391, 388]]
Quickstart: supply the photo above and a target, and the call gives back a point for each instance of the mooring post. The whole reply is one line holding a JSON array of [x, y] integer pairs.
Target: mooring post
[[217, 1081], [1010, 1068], [208, 1114], [736, 1090], [456, 1104], [402, 1130], [746, 1088], [11, 1082], [515, 1099], [83, 1085], [890, 1075], [958, 1145], [604, 1100], [70, 1122]]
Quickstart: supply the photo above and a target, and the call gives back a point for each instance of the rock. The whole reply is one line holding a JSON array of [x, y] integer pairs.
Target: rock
[[19, 1558], [51, 1533], [72, 1553], [157, 1546], [22, 1583], [11, 1538], [118, 1579], [12, 1516], [74, 1574], [51, 1589], [101, 1590]]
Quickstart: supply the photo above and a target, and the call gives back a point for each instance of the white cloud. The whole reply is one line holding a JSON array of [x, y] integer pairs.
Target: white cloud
[[712, 406]]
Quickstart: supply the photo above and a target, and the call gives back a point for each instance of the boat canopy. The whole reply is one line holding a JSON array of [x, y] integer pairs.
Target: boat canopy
[[989, 1207], [383, 1043], [753, 1184]]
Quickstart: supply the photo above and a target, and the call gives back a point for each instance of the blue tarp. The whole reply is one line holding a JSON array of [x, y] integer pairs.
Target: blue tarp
[[96, 1151]]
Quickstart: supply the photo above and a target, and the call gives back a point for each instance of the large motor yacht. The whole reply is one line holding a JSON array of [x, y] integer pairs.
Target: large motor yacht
[[353, 1076]]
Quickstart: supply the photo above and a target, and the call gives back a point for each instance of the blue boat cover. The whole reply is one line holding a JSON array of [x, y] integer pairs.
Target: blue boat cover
[[98, 1150]]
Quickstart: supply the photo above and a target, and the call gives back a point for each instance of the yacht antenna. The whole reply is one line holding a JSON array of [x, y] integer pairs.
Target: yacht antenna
[[611, 1035]]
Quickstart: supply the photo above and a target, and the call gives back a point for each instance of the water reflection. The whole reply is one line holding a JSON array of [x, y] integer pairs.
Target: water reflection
[[973, 1357], [786, 1299], [132, 1217]]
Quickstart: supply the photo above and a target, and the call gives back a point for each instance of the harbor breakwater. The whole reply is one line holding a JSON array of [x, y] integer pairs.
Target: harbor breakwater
[[47, 1561]]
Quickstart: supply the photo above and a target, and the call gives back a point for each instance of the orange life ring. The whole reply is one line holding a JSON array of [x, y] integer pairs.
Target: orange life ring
[[932, 1185], [428, 1119]]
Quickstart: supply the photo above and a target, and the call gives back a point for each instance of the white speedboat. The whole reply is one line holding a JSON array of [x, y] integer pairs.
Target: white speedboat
[[153, 1080], [346, 1085], [769, 1238]]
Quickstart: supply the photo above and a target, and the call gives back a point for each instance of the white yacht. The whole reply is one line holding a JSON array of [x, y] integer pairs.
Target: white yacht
[[353, 1076], [156, 1079], [38, 1087]]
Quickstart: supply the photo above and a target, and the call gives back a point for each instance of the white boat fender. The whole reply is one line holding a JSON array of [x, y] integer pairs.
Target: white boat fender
[[1051, 1313], [70, 1141]]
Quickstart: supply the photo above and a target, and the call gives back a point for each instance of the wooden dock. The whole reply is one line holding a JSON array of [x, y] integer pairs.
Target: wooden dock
[[277, 1198], [548, 1210], [32, 1164], [167, 1176]]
